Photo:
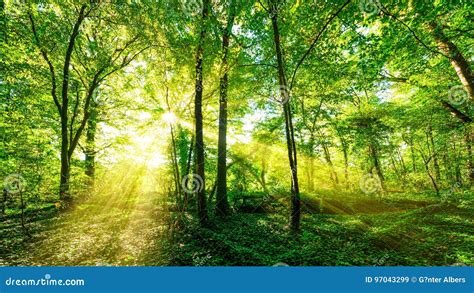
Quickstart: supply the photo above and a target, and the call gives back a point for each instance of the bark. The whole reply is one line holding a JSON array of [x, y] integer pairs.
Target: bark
[[344, 148], [376, 163], [222, 204], [188, 169], [327, 157], [199, 148], [346, 166], [4, 200], [311, 174], [65, 157], [456, 113], [434, 153], [263, 180], [175, 163], [290, 141], [458, 62], [402, 161], [427, 168], [174, 154], [470, 165], [90, 144], [413, 156]]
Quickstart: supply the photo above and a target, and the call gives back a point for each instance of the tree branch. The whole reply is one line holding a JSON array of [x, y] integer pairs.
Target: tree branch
[[316, 40], [50, 64]]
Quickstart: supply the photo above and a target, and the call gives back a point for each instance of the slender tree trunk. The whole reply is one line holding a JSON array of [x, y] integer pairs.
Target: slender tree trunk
[[284, 91], [402, 161], [457, 168], [327, 156], [311, 173], [426, 162], [376, 163], [413, 156], [4, 200], [394, 166], [90, 143], [175, 163], [470, 165], [344, 148], [434, 153], [346, 167], [199, 148], [447, 164], [188, 170], [263, 179], [222, 204], [311, 144], [174, 153], [459, 63]]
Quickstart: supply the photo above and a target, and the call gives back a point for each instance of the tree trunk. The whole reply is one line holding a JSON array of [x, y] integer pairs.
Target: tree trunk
[[188, 169], [327, 156], [64, 180], [376, 164], [470, 165], [427, 168], [459, 63], [90, 144], [222, 204], [413, 156], [290, 141], [434, 153], [199, 148], [65, 151], [263, 179]]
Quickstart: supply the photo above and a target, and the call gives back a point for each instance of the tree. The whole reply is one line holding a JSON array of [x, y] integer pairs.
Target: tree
[[198, 117], [222, 204], [91, 67]]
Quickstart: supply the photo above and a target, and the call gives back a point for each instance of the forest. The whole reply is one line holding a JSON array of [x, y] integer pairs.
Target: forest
[[236, 133]]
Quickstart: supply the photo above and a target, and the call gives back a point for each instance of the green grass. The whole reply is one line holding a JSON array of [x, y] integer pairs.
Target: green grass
[[430, 234], [352, 229]]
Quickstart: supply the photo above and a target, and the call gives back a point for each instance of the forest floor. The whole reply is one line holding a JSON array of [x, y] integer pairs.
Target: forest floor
[[129, 225]]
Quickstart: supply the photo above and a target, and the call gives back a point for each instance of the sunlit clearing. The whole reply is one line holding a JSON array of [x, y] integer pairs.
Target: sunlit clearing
[[145, 147]]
